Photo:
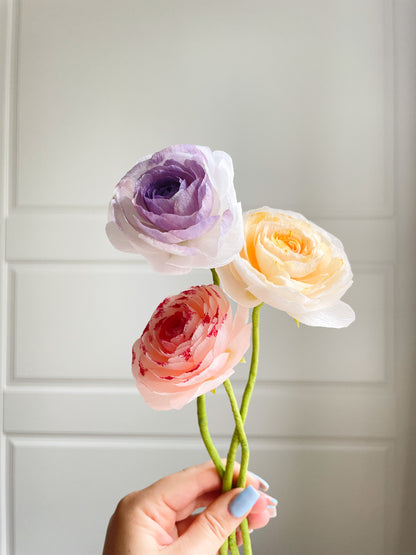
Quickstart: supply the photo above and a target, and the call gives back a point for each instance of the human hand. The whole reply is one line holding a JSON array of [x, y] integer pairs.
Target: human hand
[[159, 518]]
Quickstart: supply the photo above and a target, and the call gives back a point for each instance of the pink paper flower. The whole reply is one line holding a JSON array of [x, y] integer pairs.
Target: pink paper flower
[[190, 346], [178, 208]]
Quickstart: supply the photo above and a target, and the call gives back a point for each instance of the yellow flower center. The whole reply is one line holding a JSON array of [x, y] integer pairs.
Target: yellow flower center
[[289, 241]]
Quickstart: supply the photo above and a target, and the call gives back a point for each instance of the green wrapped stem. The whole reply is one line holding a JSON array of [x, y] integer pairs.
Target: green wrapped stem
[[203, 419], [245, 455], [206, 437], [215, 277], [239, 426], [239, 435], [248, 391], [246, 537]]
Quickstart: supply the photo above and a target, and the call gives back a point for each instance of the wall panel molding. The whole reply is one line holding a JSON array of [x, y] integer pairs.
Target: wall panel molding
[[300, 412], [312, 123], [47, 470], [67, 236], [106, 312], [5, 119], [382, 203]]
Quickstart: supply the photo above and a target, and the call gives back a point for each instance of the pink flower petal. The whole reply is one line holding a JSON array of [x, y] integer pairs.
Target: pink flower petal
[[190, 346]]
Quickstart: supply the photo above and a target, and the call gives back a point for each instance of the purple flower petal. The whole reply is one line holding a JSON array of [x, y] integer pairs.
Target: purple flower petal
[[179, 202]]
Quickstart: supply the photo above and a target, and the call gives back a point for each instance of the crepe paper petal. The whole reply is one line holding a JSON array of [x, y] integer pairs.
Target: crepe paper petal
[[178, 208], [189, 347], [293, 265]]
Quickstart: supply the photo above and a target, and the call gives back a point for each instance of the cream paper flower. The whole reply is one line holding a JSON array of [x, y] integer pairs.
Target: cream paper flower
[[291, 264]]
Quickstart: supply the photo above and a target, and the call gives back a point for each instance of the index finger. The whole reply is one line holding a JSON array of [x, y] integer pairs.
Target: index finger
[[181, 491]]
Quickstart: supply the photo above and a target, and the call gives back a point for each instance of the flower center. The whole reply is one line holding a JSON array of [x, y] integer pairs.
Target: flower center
[[164, 188], [290, 241], [173, 326]]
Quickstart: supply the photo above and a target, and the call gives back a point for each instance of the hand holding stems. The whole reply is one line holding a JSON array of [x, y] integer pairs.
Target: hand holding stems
[[227, 477], [239, 433], [160, 518]]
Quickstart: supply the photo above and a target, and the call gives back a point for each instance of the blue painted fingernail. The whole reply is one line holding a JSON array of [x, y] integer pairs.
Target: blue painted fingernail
[[244, 501], [273, 500], [263, 484]]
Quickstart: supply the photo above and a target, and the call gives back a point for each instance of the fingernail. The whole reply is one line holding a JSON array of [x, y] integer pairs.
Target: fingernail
[[244, 501], [272, 499], [263, 484], [271, 509]]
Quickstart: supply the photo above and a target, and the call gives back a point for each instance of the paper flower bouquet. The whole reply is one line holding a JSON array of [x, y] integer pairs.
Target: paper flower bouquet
[[178, 208]]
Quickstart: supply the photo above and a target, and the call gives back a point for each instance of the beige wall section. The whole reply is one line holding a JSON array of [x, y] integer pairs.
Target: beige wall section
[[405, 25], [3, 270], [315, 103]]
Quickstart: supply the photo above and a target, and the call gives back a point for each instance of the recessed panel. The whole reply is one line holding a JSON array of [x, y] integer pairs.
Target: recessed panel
[[80, 323], [320, 489], [297, 92], [360, 353], [275, 411], [61, 486], [52, 235]]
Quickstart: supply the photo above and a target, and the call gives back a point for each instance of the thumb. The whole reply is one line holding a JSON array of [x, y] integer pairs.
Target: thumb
[[213, 526]]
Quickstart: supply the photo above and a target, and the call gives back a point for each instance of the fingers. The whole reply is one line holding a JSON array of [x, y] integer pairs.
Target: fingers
[[176, 496], [194, 487], [163, 511], [262, 484], [263, 510], [212, 527], [206, 498]]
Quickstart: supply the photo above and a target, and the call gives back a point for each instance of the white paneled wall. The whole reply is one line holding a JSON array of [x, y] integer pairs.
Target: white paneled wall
[[307, 472], [303, 96]]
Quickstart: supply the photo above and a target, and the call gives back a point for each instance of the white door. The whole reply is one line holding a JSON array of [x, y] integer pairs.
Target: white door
[[315, 103]]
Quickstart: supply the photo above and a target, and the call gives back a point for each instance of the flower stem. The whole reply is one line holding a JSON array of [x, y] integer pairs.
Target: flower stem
[[245, 454], [206, 437], [238, 437], [203, 419], [239, 426], [246, 537], [228, 474], [224, 547], [215, 277]]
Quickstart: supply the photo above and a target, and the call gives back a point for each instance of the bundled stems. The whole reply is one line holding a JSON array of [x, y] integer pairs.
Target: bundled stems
[[239, 436], [245, 454], [227, 481], [228, 475], [239, 428]]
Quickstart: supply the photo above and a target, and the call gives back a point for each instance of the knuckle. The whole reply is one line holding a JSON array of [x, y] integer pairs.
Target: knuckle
[[214, 525], [129, 504]]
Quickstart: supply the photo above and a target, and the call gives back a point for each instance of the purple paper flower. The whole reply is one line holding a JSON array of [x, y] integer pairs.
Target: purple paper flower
[[178, 208]]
